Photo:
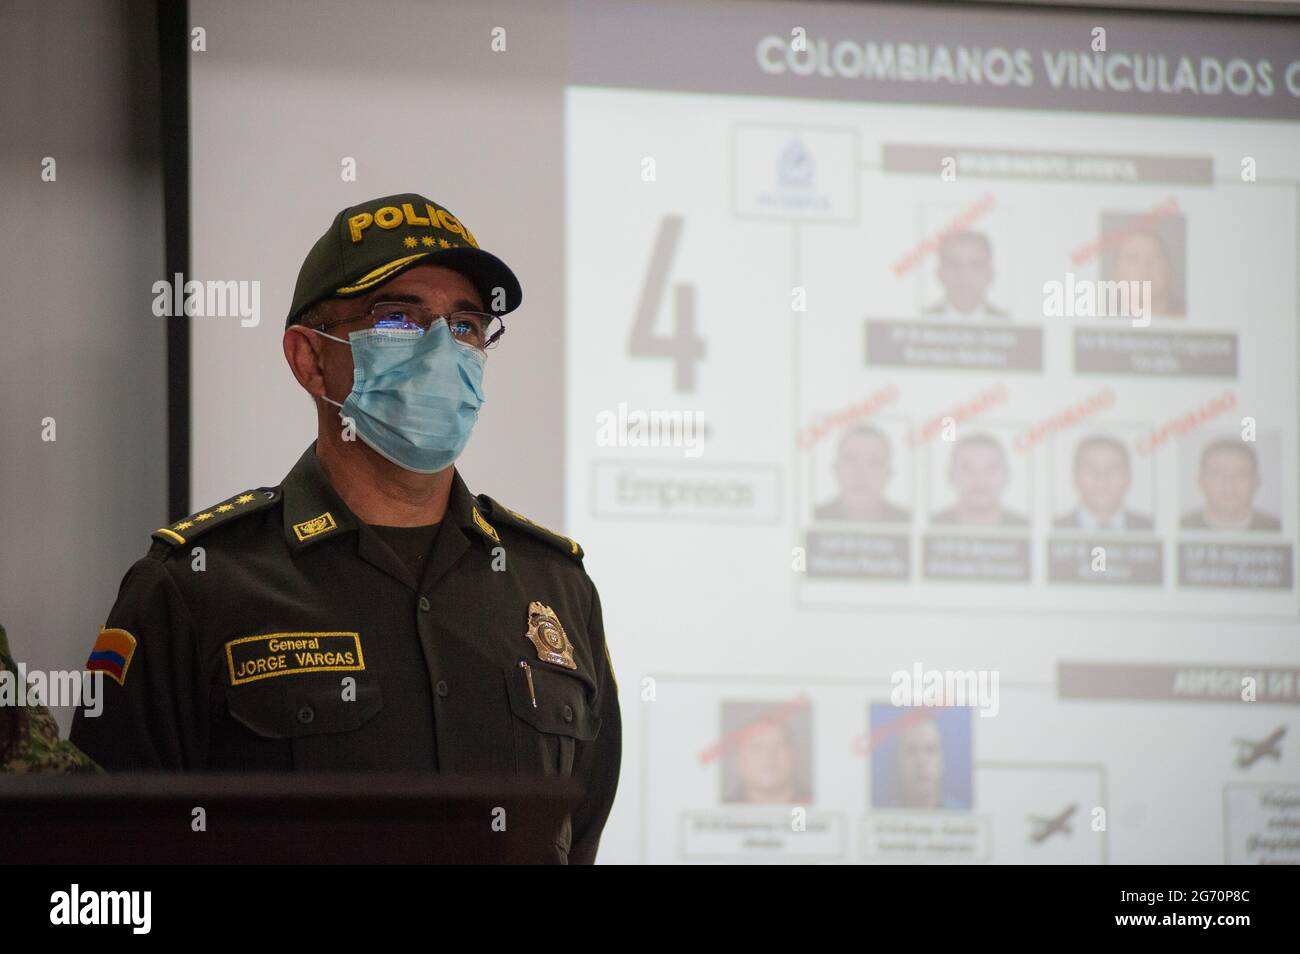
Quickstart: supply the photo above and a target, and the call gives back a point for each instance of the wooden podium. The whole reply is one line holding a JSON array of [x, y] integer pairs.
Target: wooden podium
[[284, 819]]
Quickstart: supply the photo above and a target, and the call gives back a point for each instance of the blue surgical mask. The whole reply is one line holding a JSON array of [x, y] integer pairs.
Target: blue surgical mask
[[415, 395]]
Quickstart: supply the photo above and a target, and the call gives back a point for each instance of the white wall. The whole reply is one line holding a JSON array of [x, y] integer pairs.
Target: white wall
[[78, 82]]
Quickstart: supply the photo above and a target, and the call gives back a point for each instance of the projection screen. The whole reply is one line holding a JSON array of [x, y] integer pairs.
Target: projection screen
[[920, 381]]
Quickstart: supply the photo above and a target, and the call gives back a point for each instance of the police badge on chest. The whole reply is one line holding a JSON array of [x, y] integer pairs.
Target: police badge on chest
[[546, 633]]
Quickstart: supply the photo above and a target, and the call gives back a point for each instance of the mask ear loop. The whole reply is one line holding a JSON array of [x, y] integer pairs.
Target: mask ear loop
[[332, 338], [340, 341]]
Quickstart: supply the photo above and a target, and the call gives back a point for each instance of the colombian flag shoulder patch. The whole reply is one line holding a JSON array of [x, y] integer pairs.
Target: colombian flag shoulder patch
[[112, 654]]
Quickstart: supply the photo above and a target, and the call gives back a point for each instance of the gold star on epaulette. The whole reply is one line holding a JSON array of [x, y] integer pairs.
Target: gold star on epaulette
[[215, 516]]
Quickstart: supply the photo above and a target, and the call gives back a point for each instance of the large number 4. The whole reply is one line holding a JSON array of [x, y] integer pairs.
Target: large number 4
[[682, 346]]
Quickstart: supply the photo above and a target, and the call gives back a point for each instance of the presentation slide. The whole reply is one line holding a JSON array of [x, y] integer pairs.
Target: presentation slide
[[992, 391]]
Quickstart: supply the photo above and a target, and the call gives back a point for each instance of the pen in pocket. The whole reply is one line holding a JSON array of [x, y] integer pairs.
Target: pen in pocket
[[528, 672]]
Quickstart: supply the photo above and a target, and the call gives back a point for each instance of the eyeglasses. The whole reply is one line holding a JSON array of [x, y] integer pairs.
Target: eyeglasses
[[476, 328]]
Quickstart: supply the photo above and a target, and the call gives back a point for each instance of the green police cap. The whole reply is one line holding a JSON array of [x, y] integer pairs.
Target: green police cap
[[370, 243]]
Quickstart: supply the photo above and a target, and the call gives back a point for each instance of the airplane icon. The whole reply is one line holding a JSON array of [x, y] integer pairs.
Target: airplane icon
[[1248, 753], [1045, 826]]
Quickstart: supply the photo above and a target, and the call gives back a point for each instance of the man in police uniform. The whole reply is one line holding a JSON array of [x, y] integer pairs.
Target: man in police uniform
[[370, 613]]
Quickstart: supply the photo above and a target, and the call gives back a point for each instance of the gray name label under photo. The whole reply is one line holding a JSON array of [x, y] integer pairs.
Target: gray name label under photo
[[976, 559], [1100, 351], [917, 344], [1105, 560], [1242, 566], [865, 556]]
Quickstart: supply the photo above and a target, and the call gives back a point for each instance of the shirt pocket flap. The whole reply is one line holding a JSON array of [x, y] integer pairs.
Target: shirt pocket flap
[[300, 706], [562, 706]]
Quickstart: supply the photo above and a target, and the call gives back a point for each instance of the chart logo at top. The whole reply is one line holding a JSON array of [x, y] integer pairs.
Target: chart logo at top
[[794, 172]]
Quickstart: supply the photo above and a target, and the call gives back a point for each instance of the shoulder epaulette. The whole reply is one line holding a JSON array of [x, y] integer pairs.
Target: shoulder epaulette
[[183, 531], [502, 514]]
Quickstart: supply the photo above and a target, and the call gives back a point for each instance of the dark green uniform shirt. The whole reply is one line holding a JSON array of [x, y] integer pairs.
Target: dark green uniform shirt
[[276, 631]]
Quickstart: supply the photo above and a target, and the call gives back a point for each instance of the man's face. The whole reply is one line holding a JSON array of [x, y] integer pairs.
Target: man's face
[[920, 765], [1142, 258], [1229, 482], [1103, 478], [862, 467], [979, 476], [965, 270], [764, 759], [440, 289]]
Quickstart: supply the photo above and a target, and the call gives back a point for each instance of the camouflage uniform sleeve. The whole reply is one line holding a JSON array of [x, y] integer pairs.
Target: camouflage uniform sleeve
[[150, 704], [39, 748], [597, 762]]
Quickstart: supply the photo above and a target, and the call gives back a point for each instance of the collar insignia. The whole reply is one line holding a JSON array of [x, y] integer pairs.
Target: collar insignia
[[483, 525], [315, 526]]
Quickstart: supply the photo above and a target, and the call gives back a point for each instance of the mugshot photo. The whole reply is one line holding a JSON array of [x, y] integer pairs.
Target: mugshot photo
[[1148, 247], [864, 473], [920, 757], [1230, 484], [1099, 484], [968, 276], [767, 752], [977, 481]]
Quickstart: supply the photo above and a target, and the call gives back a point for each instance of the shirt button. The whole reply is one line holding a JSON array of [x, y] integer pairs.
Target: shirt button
[[568, 713], [424, 604], [306, 715], [442, 688]]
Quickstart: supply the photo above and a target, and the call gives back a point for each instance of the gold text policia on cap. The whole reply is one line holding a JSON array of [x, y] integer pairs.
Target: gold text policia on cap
[[370, 243]]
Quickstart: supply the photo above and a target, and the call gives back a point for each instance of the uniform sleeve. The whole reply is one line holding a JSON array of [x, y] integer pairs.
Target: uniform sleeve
[[597, 762], [148, 705], [37, 746]]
